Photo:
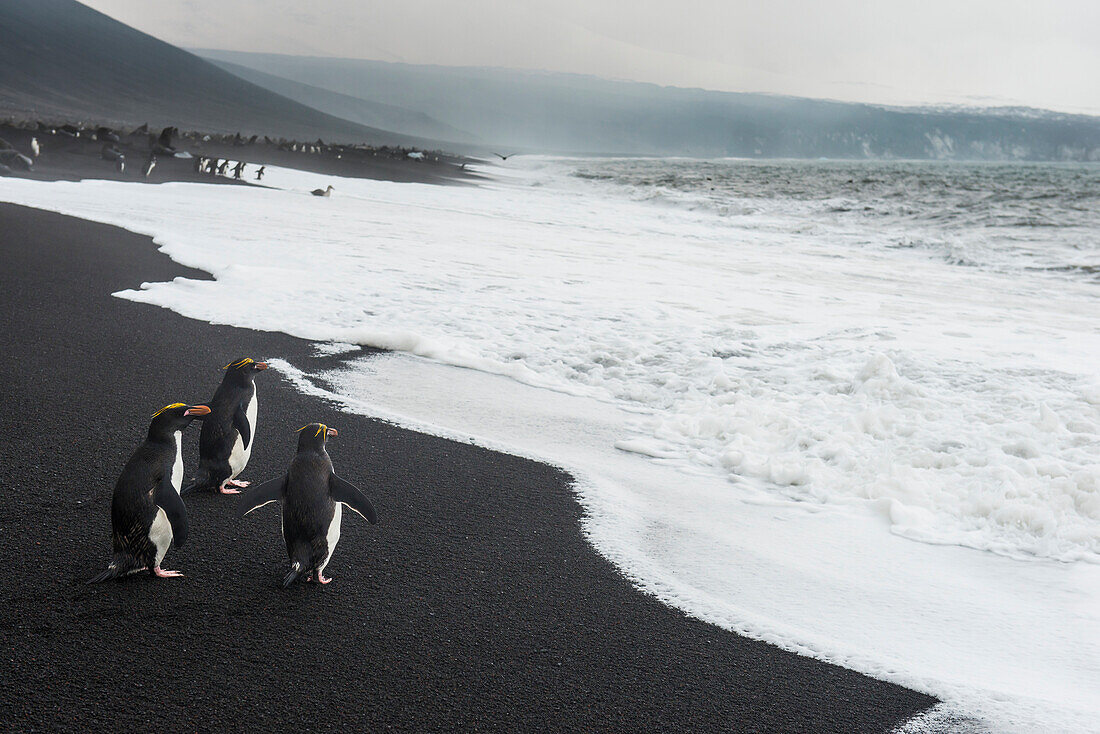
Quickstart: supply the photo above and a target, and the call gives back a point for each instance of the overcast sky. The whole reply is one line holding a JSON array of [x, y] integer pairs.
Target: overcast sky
[[1039, 53]]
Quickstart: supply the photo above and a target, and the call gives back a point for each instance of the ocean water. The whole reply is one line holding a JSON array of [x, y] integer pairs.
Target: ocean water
[[849, 408]]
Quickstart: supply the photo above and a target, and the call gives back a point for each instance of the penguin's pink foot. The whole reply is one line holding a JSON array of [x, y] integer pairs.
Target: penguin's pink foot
[[236, 483], [166, 574], [321, 578], [226, 490]]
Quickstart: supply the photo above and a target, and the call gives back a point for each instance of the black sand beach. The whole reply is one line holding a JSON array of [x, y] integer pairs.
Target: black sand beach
[[475, 604]]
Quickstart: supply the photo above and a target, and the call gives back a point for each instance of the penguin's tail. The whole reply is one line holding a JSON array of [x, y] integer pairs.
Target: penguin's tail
[[299, 565], [204, 480], [296, 570], [119, 566]]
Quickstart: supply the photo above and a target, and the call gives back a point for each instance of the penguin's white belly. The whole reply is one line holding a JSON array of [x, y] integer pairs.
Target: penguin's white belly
[[177, 468], [238, 458], [333, 535], [160, 533]]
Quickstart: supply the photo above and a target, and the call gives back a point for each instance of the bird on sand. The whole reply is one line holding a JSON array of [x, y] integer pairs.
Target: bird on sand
[[112, 153], [322, 192]]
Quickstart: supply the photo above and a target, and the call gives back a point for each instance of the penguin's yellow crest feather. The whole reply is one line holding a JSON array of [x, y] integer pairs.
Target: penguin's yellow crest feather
[[169, 407], [241, 363]]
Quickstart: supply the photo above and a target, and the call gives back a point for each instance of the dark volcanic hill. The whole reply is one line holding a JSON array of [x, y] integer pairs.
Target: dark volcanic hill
[[62, 60]]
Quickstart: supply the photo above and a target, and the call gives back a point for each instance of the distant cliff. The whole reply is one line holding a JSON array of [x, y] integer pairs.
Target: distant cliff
[[566, 113]]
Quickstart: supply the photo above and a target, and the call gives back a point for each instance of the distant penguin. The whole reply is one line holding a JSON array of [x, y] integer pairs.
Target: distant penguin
[[147, 514], [313, 498], [224, 165], [322, 192], [35, 148], [150, 164], [260, 173], [229, 432], [112, 153]]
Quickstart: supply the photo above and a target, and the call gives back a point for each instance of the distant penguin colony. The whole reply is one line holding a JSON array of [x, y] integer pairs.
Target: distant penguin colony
[[312, 498], [148, 515], [121, 148]]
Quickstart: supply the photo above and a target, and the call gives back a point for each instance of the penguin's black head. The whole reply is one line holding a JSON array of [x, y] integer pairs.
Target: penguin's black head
[[244, 369], [176, 417], [313, 436]]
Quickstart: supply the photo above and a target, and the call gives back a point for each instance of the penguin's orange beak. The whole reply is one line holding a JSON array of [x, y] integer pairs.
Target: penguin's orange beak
[[197, 410], [331, 432], [260, 365]]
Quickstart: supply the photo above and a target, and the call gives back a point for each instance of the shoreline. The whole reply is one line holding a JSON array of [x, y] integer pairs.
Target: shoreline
[[67, 158], [475, 603]]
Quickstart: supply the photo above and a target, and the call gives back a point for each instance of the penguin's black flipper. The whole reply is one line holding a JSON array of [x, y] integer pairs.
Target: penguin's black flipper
[[240, 422], [351, 496], [165, 498], [259, 496]]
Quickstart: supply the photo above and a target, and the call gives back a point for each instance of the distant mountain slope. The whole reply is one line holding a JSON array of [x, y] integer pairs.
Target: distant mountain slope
[[365, 112], [61, 59], [571, 113]]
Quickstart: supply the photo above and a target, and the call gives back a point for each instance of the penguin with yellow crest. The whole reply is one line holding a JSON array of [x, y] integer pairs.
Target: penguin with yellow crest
[[229, 432], [312, 498], [147, 514]]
